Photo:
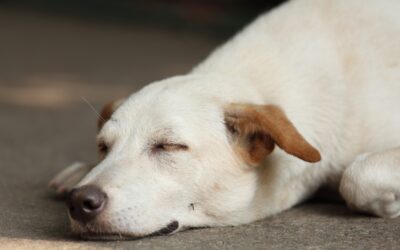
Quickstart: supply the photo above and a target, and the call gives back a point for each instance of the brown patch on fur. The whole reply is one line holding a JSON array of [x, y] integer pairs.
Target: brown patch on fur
[[107, 112], [253, 148], [349, 63], [257, 128], [216, 187]]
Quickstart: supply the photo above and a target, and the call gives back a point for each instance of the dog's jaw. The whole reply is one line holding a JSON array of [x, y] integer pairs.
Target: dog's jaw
[[106, 232]]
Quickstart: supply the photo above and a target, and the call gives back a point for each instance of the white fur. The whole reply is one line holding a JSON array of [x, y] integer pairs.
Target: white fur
[[332, 66]]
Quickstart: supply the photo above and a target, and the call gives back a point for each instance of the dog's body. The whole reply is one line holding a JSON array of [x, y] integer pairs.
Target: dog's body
[[312, 72]]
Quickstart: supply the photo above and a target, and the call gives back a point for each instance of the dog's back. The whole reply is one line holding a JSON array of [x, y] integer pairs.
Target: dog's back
[[332, 64]]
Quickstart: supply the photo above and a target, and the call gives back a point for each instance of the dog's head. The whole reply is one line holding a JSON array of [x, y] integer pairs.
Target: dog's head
[[176, 156]]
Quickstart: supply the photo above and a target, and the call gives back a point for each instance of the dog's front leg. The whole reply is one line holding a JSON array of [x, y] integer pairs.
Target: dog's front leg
[[64, 181], [372, 183]]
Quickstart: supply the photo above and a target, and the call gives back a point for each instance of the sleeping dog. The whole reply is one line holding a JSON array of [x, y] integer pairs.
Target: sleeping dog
[[306, 96]]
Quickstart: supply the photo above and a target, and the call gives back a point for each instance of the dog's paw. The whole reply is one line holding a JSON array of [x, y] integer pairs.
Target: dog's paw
[[372, 184], [64, 181], [386, 206]]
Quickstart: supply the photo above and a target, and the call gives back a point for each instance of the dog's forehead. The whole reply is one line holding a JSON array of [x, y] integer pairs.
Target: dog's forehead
[[162, 107]]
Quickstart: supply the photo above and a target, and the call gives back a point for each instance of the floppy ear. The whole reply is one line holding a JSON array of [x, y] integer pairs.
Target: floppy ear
[[107, 111], [256, 129]]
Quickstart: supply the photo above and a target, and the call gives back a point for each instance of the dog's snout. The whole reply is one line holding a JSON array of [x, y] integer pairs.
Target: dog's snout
[[86, 202]]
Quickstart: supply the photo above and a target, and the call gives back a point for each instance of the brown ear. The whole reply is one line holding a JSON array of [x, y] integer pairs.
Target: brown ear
[[107, 111], [257, 128]]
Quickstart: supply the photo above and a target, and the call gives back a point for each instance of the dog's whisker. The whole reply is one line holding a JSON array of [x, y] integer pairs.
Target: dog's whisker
[[93, 108]]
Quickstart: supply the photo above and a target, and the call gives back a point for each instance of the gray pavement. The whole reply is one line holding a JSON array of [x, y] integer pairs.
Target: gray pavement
[[47, 64]]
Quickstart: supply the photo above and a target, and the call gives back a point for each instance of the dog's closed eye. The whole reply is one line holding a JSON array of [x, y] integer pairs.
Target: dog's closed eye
[[168, 147], [103, 148]]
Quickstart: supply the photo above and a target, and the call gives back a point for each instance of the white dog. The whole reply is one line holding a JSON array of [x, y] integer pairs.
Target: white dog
[[306, 96]]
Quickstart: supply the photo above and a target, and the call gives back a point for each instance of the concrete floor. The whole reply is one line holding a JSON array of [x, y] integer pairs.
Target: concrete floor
[[47, 64]]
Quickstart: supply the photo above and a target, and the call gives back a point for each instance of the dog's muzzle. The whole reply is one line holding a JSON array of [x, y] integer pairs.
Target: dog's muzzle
[[87, 202]]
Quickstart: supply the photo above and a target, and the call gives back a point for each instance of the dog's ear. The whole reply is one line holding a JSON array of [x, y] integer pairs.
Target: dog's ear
[[256, 129], [107, 111]]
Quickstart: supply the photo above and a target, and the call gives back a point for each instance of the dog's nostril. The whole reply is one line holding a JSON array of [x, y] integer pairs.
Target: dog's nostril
[[86, 202], [92, 203]]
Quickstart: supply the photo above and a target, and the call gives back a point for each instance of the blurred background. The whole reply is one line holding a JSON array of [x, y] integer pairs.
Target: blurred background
[[54, 52]]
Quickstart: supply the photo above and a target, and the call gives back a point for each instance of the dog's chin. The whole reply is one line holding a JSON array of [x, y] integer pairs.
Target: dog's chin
[[106, 233], [108, 236]]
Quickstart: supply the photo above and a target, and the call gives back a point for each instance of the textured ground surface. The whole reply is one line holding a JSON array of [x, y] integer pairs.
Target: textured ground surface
[[46, 65]]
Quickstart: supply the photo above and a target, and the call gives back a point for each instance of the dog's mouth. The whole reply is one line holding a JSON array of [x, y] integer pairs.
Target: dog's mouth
[[110, 236]]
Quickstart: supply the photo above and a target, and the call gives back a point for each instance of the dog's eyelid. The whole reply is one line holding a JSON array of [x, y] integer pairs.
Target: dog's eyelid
[[103, 147], [169, 147], [100, 138]]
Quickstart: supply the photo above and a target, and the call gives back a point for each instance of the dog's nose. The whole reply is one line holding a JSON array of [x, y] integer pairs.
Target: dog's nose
[[86, 202]]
